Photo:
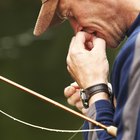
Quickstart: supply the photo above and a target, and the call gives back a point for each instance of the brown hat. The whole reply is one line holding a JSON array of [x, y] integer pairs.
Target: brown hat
[[47, 16]]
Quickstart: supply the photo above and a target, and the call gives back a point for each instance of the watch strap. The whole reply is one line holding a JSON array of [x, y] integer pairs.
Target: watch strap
[[92, 90]]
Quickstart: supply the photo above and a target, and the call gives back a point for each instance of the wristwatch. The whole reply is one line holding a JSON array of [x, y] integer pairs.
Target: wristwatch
[[92, 90]]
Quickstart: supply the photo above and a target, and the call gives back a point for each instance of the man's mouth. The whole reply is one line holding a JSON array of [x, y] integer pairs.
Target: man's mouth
[[89, 31], [94, 33]]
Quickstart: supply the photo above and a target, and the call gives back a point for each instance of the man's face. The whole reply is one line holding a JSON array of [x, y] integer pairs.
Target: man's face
[[97, 17]]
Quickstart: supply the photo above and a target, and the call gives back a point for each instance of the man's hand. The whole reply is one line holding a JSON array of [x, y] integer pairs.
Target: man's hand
[[86, 60], [88, 65], [72, 93]]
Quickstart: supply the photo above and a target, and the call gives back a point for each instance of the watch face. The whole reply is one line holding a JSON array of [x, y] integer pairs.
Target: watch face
[[84, 99]]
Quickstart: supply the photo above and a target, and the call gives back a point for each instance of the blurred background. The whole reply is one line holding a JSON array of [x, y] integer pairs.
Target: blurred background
[[38, 63]]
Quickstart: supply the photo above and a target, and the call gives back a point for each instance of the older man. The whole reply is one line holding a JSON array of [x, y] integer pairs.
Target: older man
[[99, 24]]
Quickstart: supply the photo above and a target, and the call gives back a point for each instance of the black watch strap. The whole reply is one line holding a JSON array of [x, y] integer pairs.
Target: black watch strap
[[92, 90]]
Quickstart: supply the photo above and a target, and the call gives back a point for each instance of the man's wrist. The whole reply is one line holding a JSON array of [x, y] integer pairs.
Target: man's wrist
[[98, 96], [94, 93]]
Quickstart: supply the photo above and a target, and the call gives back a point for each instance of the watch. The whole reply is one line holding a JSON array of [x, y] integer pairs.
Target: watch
[[92, 90]]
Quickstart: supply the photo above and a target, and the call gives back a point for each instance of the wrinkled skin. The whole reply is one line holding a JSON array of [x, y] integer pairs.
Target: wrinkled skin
[[106, 18]]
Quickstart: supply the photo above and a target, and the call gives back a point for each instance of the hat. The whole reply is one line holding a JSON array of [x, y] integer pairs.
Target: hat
[[47, 16]]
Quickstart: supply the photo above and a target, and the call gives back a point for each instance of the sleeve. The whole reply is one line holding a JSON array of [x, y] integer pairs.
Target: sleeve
[[103, 112], [131, 114]]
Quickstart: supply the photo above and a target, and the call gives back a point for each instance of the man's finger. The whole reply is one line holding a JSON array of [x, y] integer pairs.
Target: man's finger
[[99, 44], [81, 38], [75, 85], [69, 91], [74, 99]]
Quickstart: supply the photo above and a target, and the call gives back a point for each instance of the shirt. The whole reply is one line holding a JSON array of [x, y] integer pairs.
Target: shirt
[[125, 80]]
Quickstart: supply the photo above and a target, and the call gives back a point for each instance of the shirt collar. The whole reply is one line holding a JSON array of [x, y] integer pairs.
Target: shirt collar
[[134, 25]]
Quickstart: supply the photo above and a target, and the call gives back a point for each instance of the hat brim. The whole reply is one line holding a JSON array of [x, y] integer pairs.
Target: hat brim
[[46, 16]]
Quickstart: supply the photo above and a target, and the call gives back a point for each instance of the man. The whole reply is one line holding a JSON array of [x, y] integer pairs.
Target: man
[[99, 24]]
